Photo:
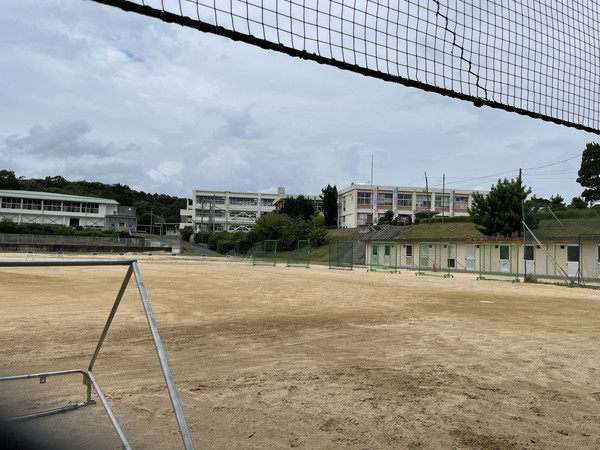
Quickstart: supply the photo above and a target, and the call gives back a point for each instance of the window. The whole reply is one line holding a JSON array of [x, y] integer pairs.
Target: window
[[208, 213], [409, 250], [422, 201], [363, 198], [364, 219], [72, 207], [32, 203], [91, 208], [461, 201], [385, 199], [405, 200], [573, 253], [442, 201], [11, 203], [504, 252], [528, 253], [243, 201], [210, 199], [52, 205], [266, 201]]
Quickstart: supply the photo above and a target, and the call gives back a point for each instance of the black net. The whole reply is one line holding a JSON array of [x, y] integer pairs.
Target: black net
[[538, 58]]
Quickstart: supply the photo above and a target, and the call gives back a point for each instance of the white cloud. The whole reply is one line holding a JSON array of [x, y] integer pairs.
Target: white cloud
[[90, 91]]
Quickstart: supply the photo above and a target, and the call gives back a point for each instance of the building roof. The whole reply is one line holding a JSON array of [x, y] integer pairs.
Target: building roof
[[54, 196]]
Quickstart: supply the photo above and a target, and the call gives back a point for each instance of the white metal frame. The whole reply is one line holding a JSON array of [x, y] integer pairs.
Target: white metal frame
[[88, 377]]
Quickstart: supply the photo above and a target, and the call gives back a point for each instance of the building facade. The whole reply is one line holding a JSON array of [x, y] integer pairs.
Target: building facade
[[227, 211], [66, 210], [360, 204]]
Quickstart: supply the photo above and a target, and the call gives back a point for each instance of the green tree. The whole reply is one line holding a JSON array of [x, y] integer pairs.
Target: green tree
[[500, 212], [387, 218], [578, 203], [589, 172], [557, 203], [538, 204], [299, 209], [329, 199], [8, 180]]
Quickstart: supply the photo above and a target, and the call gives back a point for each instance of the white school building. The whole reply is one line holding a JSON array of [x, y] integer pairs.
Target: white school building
[[361, 204]]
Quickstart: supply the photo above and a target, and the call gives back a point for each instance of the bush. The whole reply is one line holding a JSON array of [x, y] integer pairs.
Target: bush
[[531, 278], [318, 237], [186, 233], [201, 237], [225, 246]]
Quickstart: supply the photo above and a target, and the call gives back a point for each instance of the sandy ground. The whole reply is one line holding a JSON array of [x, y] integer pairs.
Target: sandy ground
[[276, 357]]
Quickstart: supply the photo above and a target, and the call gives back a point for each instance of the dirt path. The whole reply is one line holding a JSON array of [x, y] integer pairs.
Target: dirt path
[[275, 357]]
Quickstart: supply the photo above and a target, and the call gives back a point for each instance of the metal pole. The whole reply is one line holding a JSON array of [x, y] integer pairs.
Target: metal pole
[[185, 434], [443, 194], [110, 317], [524, 235]]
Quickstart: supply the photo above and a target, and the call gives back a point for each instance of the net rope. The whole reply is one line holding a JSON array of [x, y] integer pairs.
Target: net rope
[[537, 58]]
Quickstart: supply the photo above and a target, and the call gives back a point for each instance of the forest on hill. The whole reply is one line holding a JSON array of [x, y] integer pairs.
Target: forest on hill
[[162, 208]]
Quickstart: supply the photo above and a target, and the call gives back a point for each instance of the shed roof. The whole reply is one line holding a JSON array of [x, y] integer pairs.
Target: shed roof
[[551, 229], [54, 196]]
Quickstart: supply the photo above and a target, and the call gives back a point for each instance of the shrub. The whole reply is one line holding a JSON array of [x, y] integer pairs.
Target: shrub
[[530, 278], [186, 233]]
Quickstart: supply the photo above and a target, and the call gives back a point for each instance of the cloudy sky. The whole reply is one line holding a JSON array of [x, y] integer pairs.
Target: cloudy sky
[[93, 93]]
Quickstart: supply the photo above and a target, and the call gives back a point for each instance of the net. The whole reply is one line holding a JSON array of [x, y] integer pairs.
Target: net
[[499, 262], [301, 256], [435, 259], [341, 255], [383, 257], [267, 255], [537, 58]]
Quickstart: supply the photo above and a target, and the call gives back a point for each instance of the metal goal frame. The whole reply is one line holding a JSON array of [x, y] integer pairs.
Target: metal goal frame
[[88, 377]]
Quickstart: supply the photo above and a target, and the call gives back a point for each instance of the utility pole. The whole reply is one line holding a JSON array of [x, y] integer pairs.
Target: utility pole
[[428, 201], [443, 194]]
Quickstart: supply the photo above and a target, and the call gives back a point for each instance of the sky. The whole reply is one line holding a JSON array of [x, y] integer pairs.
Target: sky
[[90, 92]]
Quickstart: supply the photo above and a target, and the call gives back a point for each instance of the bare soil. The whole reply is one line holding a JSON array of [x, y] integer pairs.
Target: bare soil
[[278, 357]]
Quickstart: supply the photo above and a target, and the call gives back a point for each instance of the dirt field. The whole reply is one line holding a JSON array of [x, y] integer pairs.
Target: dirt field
[[276, 357]]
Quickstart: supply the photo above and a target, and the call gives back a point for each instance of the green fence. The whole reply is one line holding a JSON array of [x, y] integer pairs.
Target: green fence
[[301, 256], [435, 259], [267, 255], [341, 255]]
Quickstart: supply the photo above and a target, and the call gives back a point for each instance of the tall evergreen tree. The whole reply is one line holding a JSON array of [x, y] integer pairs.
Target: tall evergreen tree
[[589, 172], [501, 211], [329, 197]]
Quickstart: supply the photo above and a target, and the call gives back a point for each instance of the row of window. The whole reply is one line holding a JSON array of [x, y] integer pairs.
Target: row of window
[[221, 213], [48, 205], [421, 200], [238, 201]]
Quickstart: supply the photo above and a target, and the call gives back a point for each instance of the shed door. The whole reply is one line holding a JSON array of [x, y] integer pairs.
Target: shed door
[[470, 257], [374, 255], [572, 260], [529, 259], [504, 258], [387, 255]]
